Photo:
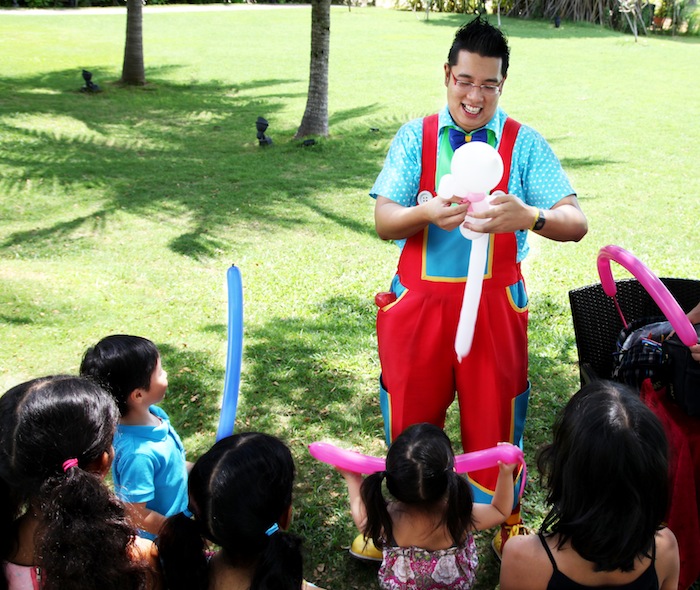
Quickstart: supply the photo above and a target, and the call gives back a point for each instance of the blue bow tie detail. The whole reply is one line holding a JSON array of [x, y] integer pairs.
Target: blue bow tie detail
[[458, 137]]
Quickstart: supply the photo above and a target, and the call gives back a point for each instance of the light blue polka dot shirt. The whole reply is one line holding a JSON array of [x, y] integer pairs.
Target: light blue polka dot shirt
[[536, 176]]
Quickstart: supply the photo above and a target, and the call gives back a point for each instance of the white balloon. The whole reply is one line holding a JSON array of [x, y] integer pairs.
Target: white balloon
[[472, 295], [469, 233], [477, 167], [449, 186]]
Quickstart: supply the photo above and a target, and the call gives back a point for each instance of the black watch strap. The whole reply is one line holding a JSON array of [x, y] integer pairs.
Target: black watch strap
[[539, 224]]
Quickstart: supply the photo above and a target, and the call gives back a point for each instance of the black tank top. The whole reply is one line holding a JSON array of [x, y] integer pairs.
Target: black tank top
[[646, 581]]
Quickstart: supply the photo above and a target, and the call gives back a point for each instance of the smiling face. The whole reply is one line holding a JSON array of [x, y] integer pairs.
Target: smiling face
[[471, 107]]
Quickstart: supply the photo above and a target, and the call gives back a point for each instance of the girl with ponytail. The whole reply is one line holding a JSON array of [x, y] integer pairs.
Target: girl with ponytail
[[240, 495], [425, 528], [60, 525]]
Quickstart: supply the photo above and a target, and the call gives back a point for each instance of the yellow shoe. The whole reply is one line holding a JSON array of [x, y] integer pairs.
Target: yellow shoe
[[364, 549], [507, 531]]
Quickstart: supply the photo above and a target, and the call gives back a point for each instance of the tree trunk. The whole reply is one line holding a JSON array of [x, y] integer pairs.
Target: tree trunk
[[315, 120], [133, 72]]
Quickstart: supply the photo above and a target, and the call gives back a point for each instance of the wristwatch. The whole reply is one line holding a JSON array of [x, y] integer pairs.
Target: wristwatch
[[539, 222]]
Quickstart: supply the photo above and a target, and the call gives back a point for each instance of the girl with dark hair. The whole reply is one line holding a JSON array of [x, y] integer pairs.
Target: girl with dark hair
[[606, 476], [60, 525], [241, 500], [425, 528]]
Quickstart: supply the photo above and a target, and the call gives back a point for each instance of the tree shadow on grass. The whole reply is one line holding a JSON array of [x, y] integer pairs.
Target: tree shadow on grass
[[300, 370], [192, 398], [176, 149], [299, 379]]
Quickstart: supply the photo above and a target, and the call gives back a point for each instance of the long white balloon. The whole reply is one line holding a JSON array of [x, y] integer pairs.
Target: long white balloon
[[476, 168], [472, 297]]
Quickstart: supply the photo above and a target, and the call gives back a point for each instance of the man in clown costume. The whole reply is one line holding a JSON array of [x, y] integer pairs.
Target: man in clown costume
[[417, 320]]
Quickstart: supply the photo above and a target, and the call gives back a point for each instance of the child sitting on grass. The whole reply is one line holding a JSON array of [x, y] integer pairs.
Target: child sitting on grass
[[606, 477], [60, 525], [425, 529], [241, 500], [149, 469]]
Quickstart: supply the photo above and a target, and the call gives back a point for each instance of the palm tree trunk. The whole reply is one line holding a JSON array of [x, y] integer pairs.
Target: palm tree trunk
[[315, 120], [133, 72]]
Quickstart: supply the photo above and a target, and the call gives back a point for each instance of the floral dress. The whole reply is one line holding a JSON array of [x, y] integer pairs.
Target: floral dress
[[413, 568]]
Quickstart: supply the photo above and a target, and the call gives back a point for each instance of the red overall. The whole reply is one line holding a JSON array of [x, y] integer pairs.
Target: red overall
[[416, 333]]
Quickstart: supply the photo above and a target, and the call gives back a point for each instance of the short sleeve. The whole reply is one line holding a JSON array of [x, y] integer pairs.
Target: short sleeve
[[134, 478], [400, 176], [537, 173]]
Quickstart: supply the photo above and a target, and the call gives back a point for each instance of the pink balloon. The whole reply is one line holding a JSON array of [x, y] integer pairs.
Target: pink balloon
[[359, 463], [658, 291], [344, 459], [476, 460]]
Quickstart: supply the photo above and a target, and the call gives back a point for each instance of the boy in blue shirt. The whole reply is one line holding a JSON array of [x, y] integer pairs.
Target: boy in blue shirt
[[149, 468]]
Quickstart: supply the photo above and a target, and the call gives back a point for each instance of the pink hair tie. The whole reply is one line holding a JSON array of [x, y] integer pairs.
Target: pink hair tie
[[68, 463]]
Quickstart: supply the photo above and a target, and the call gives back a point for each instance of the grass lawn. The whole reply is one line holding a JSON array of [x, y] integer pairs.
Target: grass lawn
[[120, 212]]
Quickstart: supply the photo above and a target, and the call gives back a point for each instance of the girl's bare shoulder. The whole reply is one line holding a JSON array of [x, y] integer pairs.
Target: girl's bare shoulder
[[524, 564]]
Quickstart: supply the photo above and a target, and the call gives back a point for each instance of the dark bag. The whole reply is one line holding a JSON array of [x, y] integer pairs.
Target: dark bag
[[639, 353], [681, 374], [645, 351]]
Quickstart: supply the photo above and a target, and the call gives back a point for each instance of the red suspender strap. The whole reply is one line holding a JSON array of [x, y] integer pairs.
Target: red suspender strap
[[505, 149], [429, 154]]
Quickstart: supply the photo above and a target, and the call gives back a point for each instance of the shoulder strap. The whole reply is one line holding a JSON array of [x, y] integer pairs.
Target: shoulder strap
[[429, 154], [505, 149], [549, 553]]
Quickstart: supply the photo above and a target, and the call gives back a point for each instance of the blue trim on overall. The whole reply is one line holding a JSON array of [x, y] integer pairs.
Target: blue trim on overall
[[520, 405], [385, 405]]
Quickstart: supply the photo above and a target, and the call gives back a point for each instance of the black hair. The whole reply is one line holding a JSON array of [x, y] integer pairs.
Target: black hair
[[480, 37], [121, 363], [606, 473], [84, 540], [238, 490], [419, 472]]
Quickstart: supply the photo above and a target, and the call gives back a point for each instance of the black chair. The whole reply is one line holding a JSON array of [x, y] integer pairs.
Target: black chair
[[597, 322]]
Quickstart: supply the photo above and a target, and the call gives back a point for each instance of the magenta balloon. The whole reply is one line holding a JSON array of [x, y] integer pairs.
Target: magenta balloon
[[359, 463], [488, 458], [344, 459], [653, 285]]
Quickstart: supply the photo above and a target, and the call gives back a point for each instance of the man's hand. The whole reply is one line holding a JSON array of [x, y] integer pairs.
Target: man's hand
[[564, 222], [507, 214], [396, 222]]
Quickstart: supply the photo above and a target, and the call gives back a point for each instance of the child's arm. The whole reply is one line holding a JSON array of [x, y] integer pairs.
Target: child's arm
[[357, 506], [144, 518], [490, 515]]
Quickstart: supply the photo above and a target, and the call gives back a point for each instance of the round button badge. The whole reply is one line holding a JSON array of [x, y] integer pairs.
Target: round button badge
[[424, 197]]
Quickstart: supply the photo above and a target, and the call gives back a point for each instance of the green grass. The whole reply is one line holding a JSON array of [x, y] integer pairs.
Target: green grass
[[120, 212]]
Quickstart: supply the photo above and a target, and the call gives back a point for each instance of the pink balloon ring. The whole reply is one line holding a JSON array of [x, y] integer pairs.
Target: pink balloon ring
[[653, 285], [474, 461]]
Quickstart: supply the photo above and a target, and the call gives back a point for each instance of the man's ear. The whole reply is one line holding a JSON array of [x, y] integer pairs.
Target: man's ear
[[447, 74]]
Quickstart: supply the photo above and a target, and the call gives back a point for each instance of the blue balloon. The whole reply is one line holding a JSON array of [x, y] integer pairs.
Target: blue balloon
[[234, 354]]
